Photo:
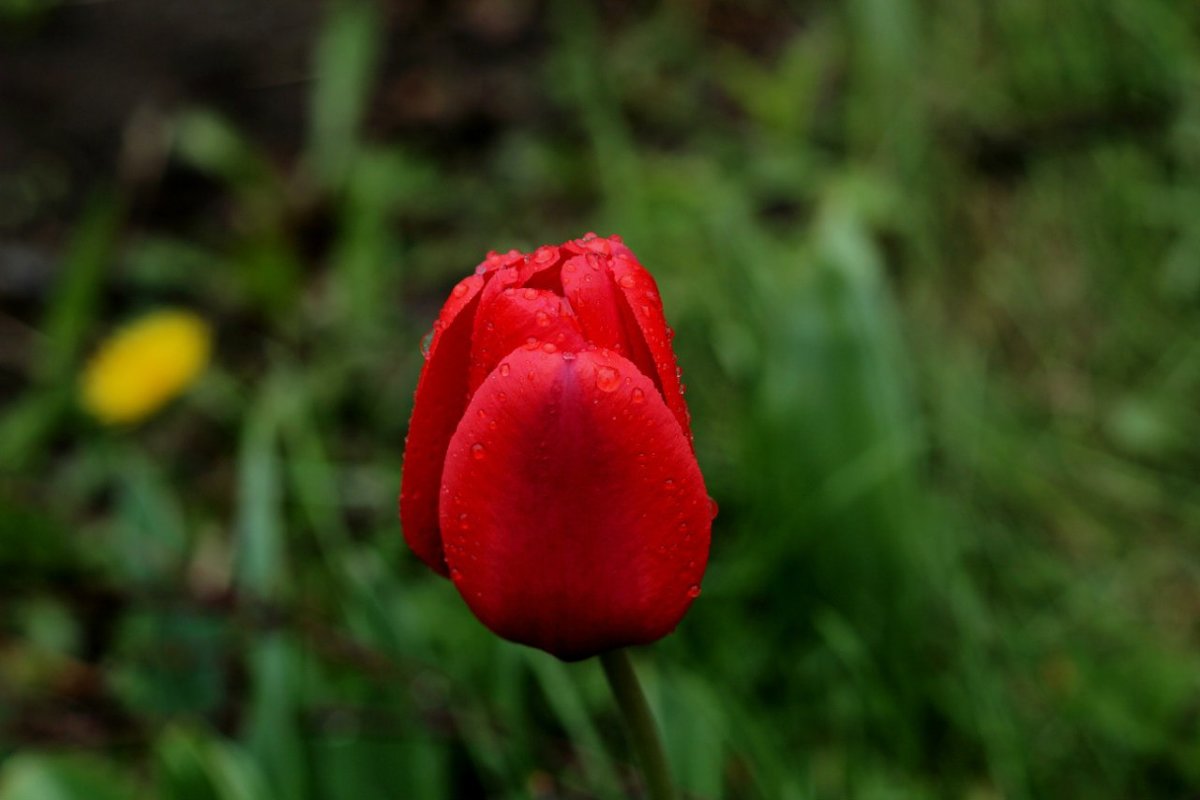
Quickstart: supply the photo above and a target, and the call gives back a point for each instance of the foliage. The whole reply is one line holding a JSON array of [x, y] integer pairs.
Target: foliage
[[934, 269]]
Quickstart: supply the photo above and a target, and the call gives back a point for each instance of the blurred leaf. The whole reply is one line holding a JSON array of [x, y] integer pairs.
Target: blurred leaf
[[567, 703], [193, 765], [33, 776], [170, 662], [212, 145], [261, 546], [72, 308], [149, 525], [33, 546], [345, 64], [271, 727]]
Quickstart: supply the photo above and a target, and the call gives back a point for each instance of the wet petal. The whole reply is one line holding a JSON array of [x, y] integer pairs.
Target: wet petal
[[641, 310], [438, 405], [574, 514], [516, 317]]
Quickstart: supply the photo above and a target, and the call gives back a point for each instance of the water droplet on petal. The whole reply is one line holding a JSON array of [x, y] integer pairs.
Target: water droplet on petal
[[693, 591], [478, 452], [712, 508], [501, 396], [455, 575], [626, 281], [532, 343], [568, 356], [637, 396], [531, 294], [504, 370], [549, 347], [426, 341], [607, 379], [460, 289], [543, 319], [669, 485]]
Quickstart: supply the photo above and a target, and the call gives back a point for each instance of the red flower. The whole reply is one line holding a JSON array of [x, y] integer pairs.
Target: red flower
[[549, 469]]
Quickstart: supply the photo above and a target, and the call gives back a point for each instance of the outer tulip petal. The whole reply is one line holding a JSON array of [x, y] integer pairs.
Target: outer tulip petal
[[574, 515], [437, 407], [515, 317], [642, 310]]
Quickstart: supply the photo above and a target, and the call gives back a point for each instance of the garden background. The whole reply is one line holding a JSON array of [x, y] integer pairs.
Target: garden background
[[934, 267]]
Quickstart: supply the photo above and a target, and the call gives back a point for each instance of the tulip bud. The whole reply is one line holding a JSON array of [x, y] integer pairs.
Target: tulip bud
[[549, 469]]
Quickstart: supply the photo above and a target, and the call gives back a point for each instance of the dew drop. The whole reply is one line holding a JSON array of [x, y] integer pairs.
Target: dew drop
[[532, 343], [568, 356], [543, 319], [712, 508], [626, 281], [455, 575], [693, 591], [607, 379], [669, 485], [531, 294], [460, 289], [426, 341], [491, 425], [549, 347], [637, 396], [478, 452], [481, 414], [501, 396], [504, 370]]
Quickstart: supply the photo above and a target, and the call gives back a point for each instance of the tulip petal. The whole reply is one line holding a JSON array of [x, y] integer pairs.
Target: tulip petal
[[574, 515], [438, 405], [539, 269], [515, 317], [642, 310], [588, 286]]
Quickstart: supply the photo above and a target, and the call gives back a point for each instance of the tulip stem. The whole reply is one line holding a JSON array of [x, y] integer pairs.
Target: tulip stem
[[643, 732]]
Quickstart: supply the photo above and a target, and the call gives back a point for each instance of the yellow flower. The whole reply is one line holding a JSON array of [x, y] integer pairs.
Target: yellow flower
[[145, 364]]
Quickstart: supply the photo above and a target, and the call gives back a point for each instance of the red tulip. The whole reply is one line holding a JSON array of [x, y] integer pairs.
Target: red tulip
[[549, 468]]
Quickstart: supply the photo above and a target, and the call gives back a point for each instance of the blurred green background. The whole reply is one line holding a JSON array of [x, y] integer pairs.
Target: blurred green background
[[935, 271]]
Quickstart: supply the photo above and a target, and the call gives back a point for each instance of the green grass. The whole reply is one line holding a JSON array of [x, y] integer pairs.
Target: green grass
[[934, 269]]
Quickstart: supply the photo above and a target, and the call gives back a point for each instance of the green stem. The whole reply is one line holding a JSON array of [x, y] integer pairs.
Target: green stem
[[642, 730]]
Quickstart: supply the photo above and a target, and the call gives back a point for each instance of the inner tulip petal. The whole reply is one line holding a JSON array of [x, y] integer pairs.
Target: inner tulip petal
[[515, 317], [437, 407], [573, 512], [641, 310], [588, 286]]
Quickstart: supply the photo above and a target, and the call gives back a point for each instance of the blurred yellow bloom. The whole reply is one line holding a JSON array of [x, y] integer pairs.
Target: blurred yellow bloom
[[145, 364]]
